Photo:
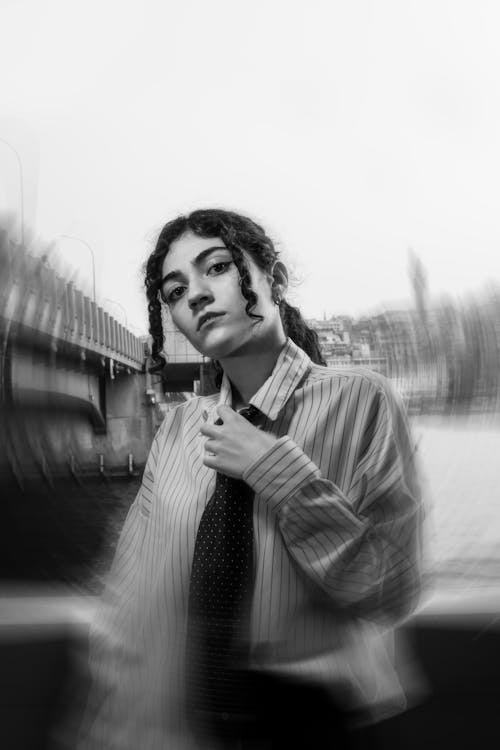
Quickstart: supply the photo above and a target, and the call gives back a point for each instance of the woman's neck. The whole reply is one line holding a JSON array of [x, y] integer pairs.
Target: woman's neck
[[248, 372]]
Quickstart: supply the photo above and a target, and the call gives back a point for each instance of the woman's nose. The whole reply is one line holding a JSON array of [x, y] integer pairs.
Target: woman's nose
[[198, 297]]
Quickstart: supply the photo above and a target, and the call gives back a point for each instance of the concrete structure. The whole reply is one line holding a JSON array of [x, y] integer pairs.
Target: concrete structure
[[187, 371], [75, 395]]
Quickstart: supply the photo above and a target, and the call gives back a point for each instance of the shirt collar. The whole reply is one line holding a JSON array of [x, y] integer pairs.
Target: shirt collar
[[291, 366]]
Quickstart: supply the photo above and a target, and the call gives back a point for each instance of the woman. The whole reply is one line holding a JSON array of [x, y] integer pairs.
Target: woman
[[327, 563]]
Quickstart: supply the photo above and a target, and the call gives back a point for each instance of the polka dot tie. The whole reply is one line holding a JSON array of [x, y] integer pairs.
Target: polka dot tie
[[219, 607]]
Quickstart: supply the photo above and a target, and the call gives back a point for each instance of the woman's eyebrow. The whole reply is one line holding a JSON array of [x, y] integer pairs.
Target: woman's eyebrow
[[195, 262]]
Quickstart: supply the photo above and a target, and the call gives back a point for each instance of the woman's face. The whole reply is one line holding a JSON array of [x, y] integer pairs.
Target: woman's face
[[202, 290]]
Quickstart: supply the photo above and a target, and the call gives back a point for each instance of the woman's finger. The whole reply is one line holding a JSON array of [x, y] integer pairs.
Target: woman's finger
[[225, 411], [210, 446], [209, 430], [210, 460]]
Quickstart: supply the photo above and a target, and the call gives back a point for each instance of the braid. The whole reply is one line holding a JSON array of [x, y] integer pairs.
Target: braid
[[153, 271], [156, 331], [297, 329]]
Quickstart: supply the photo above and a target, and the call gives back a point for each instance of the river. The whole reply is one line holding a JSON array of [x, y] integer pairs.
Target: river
[[69, 533], [460, 468]]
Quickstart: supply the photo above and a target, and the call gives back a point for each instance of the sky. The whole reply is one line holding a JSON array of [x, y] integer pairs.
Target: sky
[[353, 131]]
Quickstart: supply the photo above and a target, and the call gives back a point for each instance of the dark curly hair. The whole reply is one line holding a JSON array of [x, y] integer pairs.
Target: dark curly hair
[[239, 234]]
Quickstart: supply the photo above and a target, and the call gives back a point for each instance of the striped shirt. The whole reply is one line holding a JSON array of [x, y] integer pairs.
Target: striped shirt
[[337, 539]]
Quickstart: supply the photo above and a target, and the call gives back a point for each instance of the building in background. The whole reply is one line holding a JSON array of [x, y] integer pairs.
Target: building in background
[[346, 343]]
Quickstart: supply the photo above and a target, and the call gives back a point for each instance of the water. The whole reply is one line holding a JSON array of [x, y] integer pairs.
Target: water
[[69, 533], [460, 462], [65, 533]]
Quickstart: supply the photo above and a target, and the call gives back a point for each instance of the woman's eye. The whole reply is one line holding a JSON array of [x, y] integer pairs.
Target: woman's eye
[[220, 267], [177, 291], [174, 293]]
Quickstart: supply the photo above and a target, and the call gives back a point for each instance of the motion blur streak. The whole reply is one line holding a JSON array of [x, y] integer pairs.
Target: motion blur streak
[[70, 465], [76, 403]]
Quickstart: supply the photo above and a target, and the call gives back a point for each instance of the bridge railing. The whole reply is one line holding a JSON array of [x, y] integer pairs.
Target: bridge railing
[[40, 302]]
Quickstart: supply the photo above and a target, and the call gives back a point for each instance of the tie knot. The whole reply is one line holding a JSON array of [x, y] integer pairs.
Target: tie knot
[[251, 413]]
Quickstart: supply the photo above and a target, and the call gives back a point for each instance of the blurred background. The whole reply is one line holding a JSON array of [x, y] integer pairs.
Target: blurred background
[[364, 136]]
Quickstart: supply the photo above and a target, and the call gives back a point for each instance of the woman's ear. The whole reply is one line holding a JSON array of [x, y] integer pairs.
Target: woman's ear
[[280, 280]]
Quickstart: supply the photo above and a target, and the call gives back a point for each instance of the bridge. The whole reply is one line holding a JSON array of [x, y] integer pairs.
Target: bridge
[[75, 392]]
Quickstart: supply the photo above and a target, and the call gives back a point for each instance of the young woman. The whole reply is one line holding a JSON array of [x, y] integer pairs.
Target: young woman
[[270, 552]]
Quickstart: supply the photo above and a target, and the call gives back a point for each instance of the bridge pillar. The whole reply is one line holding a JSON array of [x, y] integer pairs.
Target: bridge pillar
[[131, 421]]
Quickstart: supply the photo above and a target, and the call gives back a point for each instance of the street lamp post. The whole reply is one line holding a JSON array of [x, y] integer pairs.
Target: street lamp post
[[21, 183], [78, 239]]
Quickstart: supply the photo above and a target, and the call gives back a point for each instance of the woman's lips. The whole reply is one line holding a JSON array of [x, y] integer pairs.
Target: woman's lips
[[211, 319]]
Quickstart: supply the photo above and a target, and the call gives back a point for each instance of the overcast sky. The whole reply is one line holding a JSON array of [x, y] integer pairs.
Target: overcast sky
[[352, 130]]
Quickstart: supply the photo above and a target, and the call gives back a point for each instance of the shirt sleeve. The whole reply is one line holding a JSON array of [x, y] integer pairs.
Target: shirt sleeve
[[111, 636], [362, 545]]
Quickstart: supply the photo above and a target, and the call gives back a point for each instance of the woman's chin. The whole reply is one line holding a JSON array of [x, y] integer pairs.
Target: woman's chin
[[222, 347]]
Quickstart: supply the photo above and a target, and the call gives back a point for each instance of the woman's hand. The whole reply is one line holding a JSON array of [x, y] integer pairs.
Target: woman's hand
[[233, 446]]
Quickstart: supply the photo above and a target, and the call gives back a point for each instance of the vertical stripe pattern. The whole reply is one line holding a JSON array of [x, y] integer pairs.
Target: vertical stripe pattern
[[336, 522]]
